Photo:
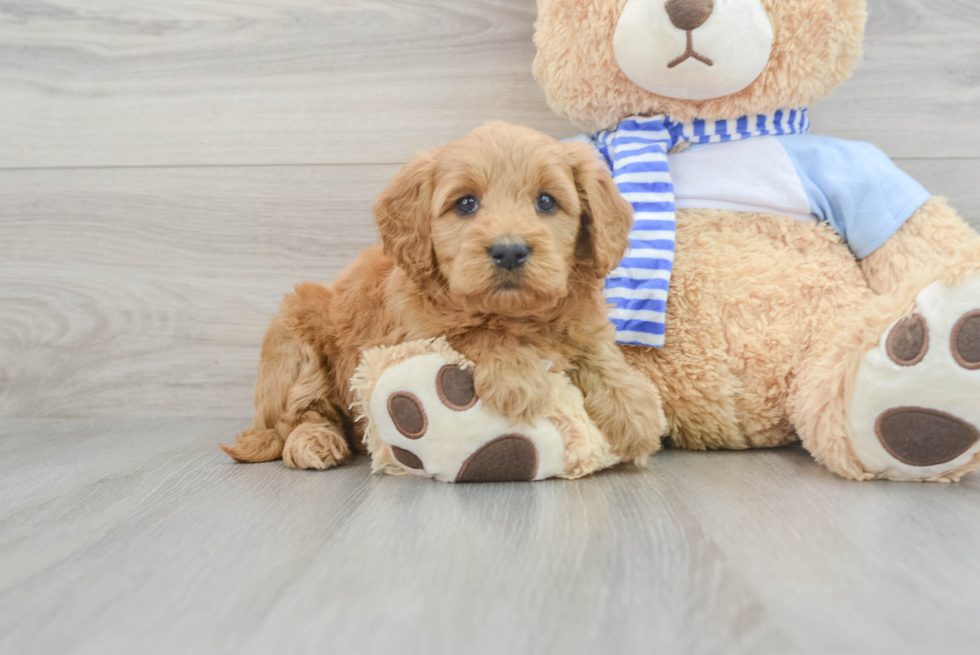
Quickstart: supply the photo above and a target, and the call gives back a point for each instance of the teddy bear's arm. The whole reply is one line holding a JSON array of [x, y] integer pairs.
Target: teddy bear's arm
[[934, 236]]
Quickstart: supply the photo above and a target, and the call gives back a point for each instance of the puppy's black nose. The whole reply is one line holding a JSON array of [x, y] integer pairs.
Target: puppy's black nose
[[509, 256]]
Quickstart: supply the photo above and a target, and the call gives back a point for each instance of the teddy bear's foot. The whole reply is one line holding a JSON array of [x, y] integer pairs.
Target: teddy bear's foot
[[915, 413], [431, 422]]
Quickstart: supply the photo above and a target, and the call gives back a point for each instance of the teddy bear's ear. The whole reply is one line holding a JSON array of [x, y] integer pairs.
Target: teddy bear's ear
[[403, 213], [606, 216]]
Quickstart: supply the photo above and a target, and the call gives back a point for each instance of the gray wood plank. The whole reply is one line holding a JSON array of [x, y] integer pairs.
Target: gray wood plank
[[104, 82], [958, 180], [851, 563], [921, 69], [189, 82], [145, 292], [147, 539]]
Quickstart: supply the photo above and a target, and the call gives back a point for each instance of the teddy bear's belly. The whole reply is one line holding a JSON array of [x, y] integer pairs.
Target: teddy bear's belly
[[750, 294]]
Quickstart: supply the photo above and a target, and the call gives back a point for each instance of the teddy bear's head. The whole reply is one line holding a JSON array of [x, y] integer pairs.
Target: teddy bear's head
[[601, 61]]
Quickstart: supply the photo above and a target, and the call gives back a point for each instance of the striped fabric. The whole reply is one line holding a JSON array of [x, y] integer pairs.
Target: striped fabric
[[637, 155]]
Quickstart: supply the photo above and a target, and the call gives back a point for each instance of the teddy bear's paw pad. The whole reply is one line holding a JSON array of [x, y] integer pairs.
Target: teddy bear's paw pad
[[966, 341], [407, 458], [915, 414], [511, 458], [924, 437], [435, 425], [908, 341], [456, 387], [407, 415]]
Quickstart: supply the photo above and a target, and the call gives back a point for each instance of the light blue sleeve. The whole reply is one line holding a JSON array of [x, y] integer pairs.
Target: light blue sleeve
[[581, 138], [855, 187]]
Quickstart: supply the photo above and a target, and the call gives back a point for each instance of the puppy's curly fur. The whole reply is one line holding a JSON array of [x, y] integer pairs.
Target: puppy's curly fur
[[432, 275]]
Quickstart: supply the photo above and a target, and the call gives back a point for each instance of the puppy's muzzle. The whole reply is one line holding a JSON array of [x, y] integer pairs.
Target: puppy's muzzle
[[509, 256]]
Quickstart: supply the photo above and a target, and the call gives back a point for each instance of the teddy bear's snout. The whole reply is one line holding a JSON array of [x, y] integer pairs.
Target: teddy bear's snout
[[689, 15]]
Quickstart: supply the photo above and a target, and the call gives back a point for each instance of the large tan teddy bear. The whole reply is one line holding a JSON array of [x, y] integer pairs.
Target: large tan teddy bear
[[781, 285]]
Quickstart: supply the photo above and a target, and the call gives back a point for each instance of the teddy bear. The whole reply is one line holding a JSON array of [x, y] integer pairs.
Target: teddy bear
[[788, 286], [780, 286]]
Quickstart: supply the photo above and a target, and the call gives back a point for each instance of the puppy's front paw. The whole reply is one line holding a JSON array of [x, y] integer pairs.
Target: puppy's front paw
[[631, 417], [644, 424], [315, 446], [586, 451], [521, 394]]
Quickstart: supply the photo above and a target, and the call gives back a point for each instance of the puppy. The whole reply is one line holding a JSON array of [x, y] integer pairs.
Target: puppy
[[500, 242]]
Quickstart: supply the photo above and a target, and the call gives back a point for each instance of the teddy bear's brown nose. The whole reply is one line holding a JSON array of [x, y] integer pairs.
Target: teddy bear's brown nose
[[689, 15]]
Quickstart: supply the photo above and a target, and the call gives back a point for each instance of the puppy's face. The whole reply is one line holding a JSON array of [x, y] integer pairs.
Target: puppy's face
[[504, 218]]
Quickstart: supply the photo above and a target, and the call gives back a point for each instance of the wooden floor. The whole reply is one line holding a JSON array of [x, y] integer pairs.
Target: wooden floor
[[137, 536], [169, 169]]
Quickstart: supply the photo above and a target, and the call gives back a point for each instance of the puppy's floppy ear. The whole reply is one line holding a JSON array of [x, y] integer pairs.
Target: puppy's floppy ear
[[607, 217], [403, 213]]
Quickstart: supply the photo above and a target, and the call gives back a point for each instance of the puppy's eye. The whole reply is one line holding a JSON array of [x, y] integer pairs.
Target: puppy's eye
[[546, 204], [467, 205]]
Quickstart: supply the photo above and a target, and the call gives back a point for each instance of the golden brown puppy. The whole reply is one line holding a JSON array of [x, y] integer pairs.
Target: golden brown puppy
[[499, 241]]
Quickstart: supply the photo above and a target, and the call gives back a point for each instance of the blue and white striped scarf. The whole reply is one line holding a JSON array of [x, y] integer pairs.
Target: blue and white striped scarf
[[637, 155]]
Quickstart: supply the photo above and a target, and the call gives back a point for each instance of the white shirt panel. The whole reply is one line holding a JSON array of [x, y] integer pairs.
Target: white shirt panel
[[752, 175]]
